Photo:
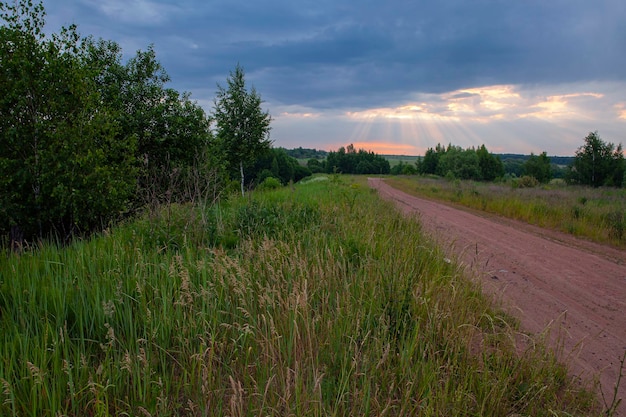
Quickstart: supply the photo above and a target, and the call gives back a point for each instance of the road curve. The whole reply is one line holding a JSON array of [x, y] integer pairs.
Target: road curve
[[548, 280]]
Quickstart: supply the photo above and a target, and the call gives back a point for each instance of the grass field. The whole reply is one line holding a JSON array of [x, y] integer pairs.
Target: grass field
[[314, 300], [396, 159], [597, 214], [393, 159]]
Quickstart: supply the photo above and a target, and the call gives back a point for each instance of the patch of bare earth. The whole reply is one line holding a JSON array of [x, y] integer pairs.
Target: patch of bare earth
[[552, 282]]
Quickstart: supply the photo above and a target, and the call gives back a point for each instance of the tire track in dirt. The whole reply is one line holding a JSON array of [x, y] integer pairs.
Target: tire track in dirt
[[548, 280]]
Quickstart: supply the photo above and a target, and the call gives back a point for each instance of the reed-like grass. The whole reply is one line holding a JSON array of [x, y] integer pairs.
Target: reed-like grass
[[597, 214], [315, 300]]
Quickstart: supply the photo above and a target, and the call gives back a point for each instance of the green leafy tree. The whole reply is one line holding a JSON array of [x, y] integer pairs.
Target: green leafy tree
[[430, 163], [300, 172], [597, 163], [62, 168], [335, 161], [242, 127], [344, 160], [539, 166], [315, 165], [278, 164], [491, 167], [171, 130], [456, 162], [459, 163], [137, 88], [350, 161]]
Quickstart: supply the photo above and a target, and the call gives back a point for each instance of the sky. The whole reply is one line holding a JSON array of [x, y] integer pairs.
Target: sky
[[392, 76]]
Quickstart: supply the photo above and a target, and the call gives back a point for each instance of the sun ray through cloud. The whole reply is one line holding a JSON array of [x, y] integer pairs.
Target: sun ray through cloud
[[347, 71]]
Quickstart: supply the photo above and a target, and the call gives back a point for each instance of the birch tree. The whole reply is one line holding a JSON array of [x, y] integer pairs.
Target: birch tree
[[242, 127]]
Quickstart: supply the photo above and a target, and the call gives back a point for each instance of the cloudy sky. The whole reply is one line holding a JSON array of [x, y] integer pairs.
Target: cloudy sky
[[393, 76]]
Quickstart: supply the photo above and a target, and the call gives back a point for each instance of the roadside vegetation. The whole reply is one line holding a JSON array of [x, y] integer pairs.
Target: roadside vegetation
[[318, 299], [598, 214]]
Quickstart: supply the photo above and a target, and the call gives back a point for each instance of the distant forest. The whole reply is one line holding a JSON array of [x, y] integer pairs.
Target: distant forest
[[557, 160], [513, 163], [305, 153]]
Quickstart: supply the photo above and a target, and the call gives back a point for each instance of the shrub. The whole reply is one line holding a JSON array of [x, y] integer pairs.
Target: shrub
[[269, 183], [527, 181], [300, 172], [265, 173]]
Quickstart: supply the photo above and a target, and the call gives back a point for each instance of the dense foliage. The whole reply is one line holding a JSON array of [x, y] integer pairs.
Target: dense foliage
[[276, 163], [171, 131], [456, 162], [539, 167], [86, 139], [350, 161], [598, 163], [66, 164], [306, 153]]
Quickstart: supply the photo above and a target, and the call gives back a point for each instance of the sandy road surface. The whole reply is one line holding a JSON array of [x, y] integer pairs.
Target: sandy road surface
[[544, 278]]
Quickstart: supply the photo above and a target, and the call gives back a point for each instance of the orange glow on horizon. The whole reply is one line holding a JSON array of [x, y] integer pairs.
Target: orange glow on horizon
[[384, 148]]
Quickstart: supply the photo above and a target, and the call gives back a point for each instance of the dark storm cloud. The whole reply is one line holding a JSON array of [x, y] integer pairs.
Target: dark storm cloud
[[363, 53]]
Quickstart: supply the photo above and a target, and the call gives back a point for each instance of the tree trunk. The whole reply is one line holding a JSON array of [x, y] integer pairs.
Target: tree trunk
[[241, 171], [17, 238]]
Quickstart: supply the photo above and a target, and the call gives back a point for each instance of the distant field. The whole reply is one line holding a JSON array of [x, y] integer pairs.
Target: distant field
[[396, 159], [393, 159]]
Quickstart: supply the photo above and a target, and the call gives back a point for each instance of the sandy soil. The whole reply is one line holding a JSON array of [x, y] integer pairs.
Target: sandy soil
[[552, 282]]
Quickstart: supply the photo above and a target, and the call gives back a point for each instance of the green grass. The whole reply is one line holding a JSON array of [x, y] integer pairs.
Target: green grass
[[396, 159], [318, 300], [596, 214]]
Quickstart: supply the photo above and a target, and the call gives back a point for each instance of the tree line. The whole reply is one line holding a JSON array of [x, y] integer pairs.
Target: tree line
[[596, 163], [349, 160], [456, 162], [306, 153], [515, 165]]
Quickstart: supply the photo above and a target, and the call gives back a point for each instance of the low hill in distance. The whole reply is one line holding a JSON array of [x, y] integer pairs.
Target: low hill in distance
[[306, 153]]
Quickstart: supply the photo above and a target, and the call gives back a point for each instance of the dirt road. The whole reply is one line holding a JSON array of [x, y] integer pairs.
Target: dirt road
[[548, 280]]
